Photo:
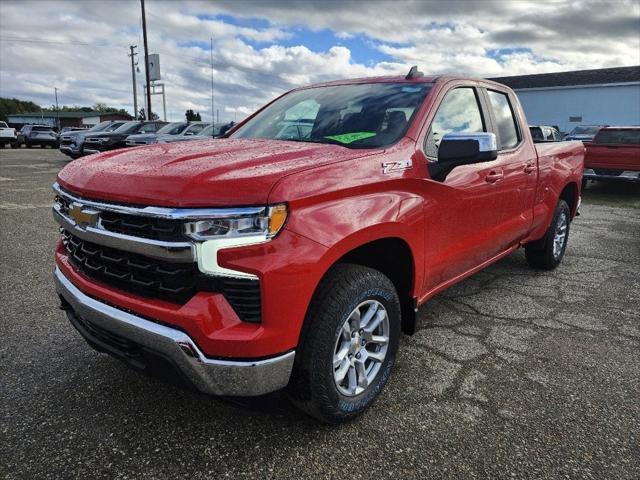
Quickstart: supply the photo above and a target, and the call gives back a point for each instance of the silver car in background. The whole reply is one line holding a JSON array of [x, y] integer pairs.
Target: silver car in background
[[175, 130]]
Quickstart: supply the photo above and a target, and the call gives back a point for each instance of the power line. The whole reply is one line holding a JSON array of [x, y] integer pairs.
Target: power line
[[52, 42]]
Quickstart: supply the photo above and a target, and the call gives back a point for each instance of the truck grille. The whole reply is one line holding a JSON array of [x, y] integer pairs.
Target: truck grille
[[138, 226], [131, 272], [151, 278]]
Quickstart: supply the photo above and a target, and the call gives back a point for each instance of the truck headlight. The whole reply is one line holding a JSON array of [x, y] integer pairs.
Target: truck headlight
[[244, 222]]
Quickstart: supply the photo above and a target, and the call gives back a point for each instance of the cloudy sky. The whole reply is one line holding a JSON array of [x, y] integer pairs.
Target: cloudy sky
[[262, 48]]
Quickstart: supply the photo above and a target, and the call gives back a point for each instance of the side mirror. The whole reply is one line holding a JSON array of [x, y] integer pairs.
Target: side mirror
[[467, 148]]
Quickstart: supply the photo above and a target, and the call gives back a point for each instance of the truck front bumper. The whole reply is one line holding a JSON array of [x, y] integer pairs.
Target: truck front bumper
[[165, 351]]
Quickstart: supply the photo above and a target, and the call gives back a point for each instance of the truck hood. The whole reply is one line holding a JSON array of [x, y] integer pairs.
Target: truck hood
[[207, 173]]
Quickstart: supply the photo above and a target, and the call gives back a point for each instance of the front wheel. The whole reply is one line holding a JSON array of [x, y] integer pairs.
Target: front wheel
[[348, 346], [547, 253]]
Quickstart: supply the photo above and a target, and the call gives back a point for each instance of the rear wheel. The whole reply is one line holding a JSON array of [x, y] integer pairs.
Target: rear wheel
[[547, 253], [348, 347]]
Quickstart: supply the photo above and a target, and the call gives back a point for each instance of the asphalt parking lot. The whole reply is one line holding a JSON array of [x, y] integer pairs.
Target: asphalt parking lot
[[511, 374]]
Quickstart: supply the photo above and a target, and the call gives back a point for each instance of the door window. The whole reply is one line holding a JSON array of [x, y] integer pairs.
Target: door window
[[507, 128], [459, 112]]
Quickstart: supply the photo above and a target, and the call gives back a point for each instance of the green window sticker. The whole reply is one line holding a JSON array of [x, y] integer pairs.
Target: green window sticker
[[351, 137]]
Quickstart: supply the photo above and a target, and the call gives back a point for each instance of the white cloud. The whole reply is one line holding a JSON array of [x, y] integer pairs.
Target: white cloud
[[81, 47]]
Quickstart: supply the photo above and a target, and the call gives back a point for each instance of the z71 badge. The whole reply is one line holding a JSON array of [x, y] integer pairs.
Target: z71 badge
[[389, 167]]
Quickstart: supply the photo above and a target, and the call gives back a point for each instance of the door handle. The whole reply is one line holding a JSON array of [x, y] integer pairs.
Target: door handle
[[529, 168], [494, 177]]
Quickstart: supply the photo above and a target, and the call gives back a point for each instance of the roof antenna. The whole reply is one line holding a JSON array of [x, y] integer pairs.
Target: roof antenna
[[414, 73]]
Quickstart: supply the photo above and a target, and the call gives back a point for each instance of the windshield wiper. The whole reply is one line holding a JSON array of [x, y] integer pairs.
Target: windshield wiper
[[314, 140]]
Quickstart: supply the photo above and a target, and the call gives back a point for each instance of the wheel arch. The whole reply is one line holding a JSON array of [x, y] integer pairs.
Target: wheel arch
[[393, 257], [570, 194]]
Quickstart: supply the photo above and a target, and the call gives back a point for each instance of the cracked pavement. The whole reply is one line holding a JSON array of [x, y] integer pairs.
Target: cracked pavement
[[513, 373]]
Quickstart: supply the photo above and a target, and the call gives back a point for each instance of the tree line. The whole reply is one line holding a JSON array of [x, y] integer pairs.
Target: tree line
[[11, 106]]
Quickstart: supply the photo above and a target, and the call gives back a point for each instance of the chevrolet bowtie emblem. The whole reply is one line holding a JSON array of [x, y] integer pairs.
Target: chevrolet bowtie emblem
[[84, 217]]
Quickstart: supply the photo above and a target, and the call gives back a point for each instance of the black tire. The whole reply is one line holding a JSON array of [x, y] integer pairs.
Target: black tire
[[312, 387], [27, 144], [15, 145], [584, 184], [541, 253]]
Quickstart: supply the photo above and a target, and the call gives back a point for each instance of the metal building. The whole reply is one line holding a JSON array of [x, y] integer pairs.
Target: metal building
[[606, 96], [67, 119]]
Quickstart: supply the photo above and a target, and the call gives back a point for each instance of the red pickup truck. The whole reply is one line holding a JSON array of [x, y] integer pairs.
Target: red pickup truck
[[614, 154], [294, 252]]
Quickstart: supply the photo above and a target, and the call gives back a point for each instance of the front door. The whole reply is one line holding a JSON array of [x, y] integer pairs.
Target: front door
[[465, 209]]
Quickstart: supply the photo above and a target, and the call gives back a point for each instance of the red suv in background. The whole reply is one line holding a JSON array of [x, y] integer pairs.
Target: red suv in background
[[614, 154]]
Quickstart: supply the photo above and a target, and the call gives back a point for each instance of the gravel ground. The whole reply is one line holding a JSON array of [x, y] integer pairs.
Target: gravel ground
[[512, 374]]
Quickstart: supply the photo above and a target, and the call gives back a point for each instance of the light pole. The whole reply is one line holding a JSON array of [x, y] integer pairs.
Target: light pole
[[133, 78], [146, 60], [212, 104], [57, 111]]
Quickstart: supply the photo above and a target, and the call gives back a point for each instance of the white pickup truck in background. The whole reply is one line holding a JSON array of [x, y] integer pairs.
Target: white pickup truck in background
[[7, 135]]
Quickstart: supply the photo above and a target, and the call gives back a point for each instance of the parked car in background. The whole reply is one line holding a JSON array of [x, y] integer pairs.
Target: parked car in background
[[209, 131], [102, 142], [72, 143], [73, 129], [41, 135], [251, 263], [8, 136], [544, 133], [614, 154], [584, 133], [171, 130]]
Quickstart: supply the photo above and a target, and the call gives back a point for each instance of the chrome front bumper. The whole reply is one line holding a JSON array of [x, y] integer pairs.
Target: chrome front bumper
[[211, 376]]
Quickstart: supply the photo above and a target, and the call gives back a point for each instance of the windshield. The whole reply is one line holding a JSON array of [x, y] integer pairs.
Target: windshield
[[99, 127], [42, 129], [208, 131], [355, 116], [113, 126], [173, 128], [127, 127], [585, 130]]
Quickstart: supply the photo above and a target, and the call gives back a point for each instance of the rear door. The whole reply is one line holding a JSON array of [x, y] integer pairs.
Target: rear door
[[517, 163]]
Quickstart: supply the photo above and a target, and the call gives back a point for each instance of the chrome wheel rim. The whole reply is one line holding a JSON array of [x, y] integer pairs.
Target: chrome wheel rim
[[360, 348], [560, 236]]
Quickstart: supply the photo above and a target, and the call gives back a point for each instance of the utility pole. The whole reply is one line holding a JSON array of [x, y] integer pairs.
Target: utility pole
[[57, 111], [212, 109], [133, 77], [146, 60]]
